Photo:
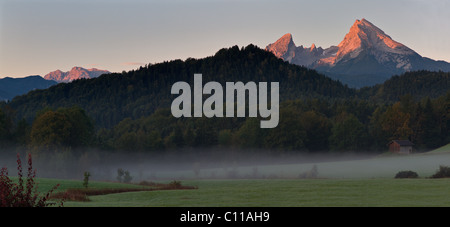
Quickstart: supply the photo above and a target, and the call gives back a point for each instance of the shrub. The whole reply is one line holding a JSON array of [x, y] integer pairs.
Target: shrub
[[444, 171], [406, 174], [311, 174], [16, 194], [175, 184], [120, 173], [86, 179], [123, 176], [127, 177]]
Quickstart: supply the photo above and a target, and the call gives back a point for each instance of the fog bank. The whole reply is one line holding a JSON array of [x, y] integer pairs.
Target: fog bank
[[221, 164]]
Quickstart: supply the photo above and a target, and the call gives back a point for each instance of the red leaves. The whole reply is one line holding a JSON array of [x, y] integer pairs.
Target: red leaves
[[6, 186], [15, 194]]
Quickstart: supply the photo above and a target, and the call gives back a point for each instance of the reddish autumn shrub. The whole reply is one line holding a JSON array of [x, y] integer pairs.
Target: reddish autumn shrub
[[22, 194]]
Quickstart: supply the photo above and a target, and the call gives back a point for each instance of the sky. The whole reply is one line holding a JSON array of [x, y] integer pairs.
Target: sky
[[40, 36]]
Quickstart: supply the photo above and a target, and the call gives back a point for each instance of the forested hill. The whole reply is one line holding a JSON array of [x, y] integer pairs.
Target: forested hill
[[418, 84], [109, 99]]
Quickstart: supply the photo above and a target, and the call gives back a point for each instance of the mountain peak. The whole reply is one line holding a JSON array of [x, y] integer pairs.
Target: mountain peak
[[74, 74], [363, 20], [286, 38], [283, 47], [364, 36]]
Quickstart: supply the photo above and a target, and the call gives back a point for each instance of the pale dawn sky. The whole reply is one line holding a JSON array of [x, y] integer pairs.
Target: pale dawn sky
[[40, 36]]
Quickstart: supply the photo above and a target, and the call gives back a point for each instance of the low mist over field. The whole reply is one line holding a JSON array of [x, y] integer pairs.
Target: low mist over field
[[224, 164]]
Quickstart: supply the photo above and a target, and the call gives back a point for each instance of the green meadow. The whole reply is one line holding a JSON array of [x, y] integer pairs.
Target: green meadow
[[277, 193], [358, 183]]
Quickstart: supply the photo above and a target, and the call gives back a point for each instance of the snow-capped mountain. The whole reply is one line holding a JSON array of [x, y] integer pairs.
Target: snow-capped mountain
[[74, 74], [364, 57]]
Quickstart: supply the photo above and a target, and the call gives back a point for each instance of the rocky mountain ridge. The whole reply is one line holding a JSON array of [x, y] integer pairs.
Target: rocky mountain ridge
[[74, 74], [366, 56]]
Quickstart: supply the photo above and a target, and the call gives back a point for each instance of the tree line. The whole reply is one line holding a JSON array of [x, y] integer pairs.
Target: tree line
[[306, 125], [314, 125]]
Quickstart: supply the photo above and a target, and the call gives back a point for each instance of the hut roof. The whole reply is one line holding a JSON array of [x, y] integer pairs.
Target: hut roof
[[402, 142]]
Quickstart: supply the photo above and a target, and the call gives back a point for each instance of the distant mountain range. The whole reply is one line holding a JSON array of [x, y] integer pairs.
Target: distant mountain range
[[74, 74], [11, 87], [367, 56]]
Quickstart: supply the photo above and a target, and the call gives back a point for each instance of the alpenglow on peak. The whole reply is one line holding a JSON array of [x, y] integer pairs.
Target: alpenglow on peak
[[366, 56]]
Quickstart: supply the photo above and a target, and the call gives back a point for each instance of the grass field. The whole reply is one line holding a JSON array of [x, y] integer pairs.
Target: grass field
[[278, 193], [366, 183]]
